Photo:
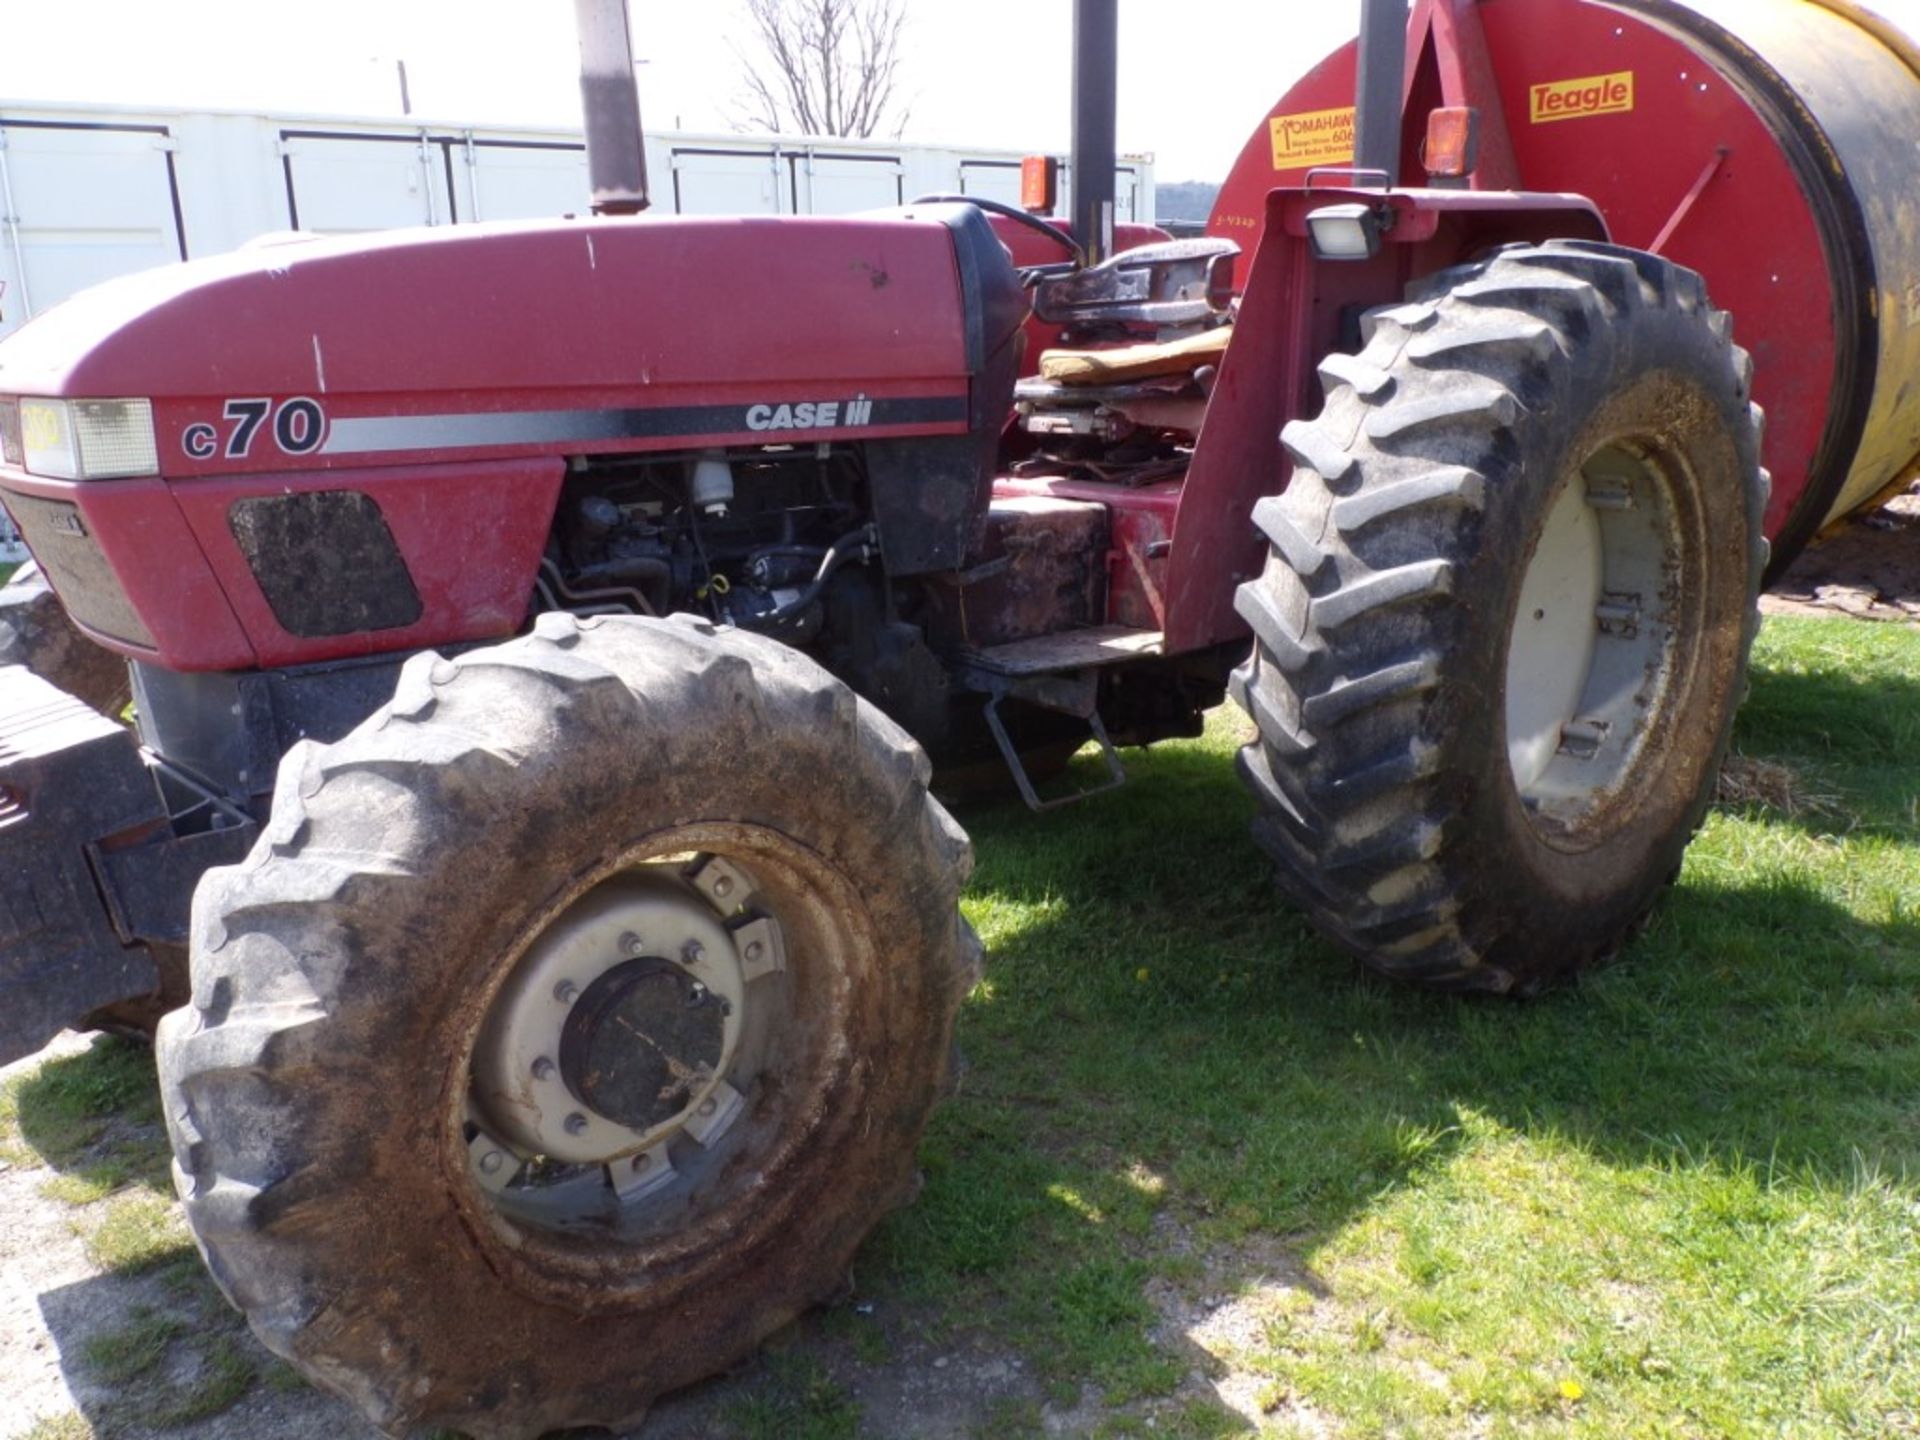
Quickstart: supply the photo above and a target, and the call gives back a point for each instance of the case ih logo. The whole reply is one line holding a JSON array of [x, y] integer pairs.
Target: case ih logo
[[810, 414], [1595, 95]]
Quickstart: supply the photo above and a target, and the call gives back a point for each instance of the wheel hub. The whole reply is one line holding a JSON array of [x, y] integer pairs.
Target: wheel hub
[[1590, 654], [1550, 653], [637, 1045], [618, 1031]]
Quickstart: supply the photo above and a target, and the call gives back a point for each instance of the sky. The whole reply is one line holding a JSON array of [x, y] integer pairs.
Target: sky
[[1196, 76]]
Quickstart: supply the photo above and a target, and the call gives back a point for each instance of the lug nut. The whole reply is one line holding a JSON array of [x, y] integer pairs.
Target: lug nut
[[754, 951], [723, 885], [543, 1069], [631, 945], [491, 1162], [576, 1124], [706, 1106], [566, 992], [691, 952]]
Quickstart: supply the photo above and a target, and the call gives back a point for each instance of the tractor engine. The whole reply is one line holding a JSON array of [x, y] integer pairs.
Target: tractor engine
[[751, 540]]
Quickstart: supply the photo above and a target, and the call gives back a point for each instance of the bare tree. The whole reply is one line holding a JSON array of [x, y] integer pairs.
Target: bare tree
[[824, 67]]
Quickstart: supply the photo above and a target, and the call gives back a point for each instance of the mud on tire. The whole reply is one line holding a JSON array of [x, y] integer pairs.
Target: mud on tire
[[1569, 407], [318, 1089]]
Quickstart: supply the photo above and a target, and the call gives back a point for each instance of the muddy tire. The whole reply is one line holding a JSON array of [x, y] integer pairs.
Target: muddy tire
[[35, 632], [614, 828], [1504, 626]]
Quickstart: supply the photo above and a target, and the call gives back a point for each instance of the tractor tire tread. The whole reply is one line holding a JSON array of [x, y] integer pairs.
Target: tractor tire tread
[[1349, 687], [474, 742]]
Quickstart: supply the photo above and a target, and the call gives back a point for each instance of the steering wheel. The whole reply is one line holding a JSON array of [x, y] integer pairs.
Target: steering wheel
[[1012, 212]]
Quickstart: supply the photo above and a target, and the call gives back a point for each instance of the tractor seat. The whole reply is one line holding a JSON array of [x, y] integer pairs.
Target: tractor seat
[[1145, 361]]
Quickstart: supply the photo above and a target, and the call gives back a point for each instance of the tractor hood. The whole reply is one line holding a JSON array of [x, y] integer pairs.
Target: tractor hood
[[609, 334]]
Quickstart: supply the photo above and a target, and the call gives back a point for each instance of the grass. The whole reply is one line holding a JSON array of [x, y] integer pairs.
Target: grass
[[92, 1118], [1680, 1199], [69, 1426], [1197, 1158], [128, 1353], [134, 1232], [796, 1400], [169, 1366], [90, 1111], [222, 1373]]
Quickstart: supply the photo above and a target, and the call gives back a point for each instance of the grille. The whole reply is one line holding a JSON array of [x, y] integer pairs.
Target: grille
[[326, 562], [57, 534]]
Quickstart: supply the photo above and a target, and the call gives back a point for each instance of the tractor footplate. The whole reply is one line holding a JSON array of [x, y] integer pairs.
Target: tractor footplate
[[1116, 772], [68, 777], [1014, 672]]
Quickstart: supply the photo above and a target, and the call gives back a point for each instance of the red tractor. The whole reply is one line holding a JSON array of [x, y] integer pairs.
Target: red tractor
[[542, 637]]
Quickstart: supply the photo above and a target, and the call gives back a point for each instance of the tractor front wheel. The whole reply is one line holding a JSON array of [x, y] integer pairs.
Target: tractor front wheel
[[1504, 625], [569, 1026]]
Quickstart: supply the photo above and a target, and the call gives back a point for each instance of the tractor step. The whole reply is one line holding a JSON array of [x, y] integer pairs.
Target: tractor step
[[1056, 672], [1070, 650], [1116, 772]]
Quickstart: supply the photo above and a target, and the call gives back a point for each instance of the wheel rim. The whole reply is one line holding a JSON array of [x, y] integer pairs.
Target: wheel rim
[[611, 1082], [1591, 652]]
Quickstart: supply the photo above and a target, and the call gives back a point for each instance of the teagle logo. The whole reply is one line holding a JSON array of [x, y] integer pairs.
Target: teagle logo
[[1594, 95]]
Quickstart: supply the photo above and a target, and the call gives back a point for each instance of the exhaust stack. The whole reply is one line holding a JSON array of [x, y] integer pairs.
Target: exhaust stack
[[1096, 50], [610, 105], [1380, 91]]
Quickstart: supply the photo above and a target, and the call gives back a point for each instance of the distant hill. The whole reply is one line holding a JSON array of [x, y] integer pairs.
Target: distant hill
[[1184, 199]]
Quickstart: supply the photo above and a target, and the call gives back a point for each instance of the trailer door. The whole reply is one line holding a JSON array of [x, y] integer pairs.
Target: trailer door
[[991, 179], [844, 184], [521, 179], [339, 183], [712, 181], [88, 202]]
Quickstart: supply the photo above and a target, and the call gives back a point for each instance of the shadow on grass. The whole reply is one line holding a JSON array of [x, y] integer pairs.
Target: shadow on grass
[[95, 1115], [1144, 966]]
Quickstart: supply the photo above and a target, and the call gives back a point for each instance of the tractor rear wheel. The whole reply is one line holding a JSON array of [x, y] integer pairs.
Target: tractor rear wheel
[[35, 632], [1504, 626], [569, 1026]]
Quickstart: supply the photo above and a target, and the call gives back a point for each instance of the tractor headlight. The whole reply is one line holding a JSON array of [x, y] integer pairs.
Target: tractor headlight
[[88, 439], [1345, 232]]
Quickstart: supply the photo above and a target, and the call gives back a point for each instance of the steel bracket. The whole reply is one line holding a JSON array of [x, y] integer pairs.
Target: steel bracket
[[1071, 694]]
